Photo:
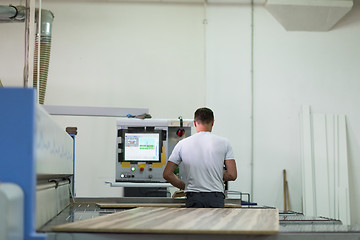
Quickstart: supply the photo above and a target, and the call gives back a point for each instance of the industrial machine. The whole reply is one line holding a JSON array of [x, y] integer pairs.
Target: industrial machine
[[37, 168], [143, 148]]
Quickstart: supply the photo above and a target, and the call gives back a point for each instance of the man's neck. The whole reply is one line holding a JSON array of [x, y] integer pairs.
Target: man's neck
[[203, 128], [203, 131]]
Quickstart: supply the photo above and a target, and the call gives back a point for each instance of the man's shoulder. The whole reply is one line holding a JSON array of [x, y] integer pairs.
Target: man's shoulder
[[201, 137], [185, 140], [220, 138]]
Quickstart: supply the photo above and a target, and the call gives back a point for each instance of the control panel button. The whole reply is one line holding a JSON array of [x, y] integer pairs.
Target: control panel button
[[142, 169]]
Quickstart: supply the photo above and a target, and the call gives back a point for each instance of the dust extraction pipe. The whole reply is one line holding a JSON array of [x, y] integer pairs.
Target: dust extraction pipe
[[44, 42], [43, 39], [12, 13]]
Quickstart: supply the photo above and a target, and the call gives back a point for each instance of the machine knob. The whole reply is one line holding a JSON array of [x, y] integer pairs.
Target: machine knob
[[150, 169], [150, 176], [122, 175]]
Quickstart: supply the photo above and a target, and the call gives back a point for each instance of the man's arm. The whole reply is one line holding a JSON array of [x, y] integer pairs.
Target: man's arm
[[169, 176], [230, 174]]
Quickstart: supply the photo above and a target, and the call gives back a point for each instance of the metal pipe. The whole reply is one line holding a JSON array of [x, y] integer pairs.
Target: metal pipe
[[47, 18], [7, 12], [12, 13]]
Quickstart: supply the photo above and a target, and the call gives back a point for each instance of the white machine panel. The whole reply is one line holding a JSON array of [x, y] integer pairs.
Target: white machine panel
[[54, 147], [11, 212]]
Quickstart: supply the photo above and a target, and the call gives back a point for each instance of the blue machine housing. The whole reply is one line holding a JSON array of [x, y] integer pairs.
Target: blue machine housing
[[19, 113]]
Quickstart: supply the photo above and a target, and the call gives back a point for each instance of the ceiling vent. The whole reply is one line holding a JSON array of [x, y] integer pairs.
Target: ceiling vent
[[308, 15]]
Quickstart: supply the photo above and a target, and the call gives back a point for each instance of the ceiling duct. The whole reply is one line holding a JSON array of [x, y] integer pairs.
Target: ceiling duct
[[308, 15]]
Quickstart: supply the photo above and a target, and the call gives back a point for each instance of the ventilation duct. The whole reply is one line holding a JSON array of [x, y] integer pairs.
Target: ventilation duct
[[43, 39], [308, 15]]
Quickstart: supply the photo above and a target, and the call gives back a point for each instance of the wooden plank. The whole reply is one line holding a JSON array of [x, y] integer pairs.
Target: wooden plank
[[173, 205], [307, 164], [320, 165], [336, 164], [181, 220], [134, 205], [330, 134], [344, 205]]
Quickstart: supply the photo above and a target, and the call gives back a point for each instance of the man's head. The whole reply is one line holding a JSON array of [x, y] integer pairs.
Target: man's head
[[204, 119]]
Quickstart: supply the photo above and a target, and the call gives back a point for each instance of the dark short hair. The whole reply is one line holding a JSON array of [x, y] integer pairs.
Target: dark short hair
[[204, 115]]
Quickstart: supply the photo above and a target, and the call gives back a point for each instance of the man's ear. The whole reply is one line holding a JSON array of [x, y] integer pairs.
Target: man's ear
[[194, 123], [213, 123]]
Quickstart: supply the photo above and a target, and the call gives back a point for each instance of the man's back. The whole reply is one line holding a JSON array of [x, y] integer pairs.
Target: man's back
[[202, 156]]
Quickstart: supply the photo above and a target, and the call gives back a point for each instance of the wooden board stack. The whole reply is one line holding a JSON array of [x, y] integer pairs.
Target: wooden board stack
[[325, 166], [181, 220]]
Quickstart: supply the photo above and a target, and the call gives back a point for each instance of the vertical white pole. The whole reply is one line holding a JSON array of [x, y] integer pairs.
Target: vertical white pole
[[307, 163], [29, 42]]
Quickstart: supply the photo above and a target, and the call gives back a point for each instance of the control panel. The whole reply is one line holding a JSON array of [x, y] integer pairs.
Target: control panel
[[143, 147], [143, 173]]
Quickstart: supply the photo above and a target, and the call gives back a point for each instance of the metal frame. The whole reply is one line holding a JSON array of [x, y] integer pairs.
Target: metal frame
[[94, 111], [73, 176]]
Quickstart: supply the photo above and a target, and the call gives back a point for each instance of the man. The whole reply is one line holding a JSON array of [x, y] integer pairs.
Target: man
[[203, 156]]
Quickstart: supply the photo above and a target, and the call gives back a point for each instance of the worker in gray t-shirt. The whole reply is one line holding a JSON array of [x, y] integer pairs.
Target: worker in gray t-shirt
[[203, 157]]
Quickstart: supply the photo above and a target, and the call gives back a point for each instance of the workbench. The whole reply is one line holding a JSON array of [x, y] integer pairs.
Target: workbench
[[292, 225], [162, 220]]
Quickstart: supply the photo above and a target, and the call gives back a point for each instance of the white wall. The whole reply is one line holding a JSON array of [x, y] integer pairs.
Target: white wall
[[11, 52], [228, 51], [295, 68], [122, 55], [154, 56], [290, 69], [125, 55]]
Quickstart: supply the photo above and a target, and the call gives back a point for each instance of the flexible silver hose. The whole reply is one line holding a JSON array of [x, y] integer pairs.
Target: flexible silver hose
[[45, 45]]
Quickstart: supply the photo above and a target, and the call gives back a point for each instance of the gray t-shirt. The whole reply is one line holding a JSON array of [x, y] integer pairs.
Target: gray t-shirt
[[202, 156]]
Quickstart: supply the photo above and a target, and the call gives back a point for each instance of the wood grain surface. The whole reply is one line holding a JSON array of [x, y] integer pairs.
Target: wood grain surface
[[134, 205], [173, 205], [181, 220]]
